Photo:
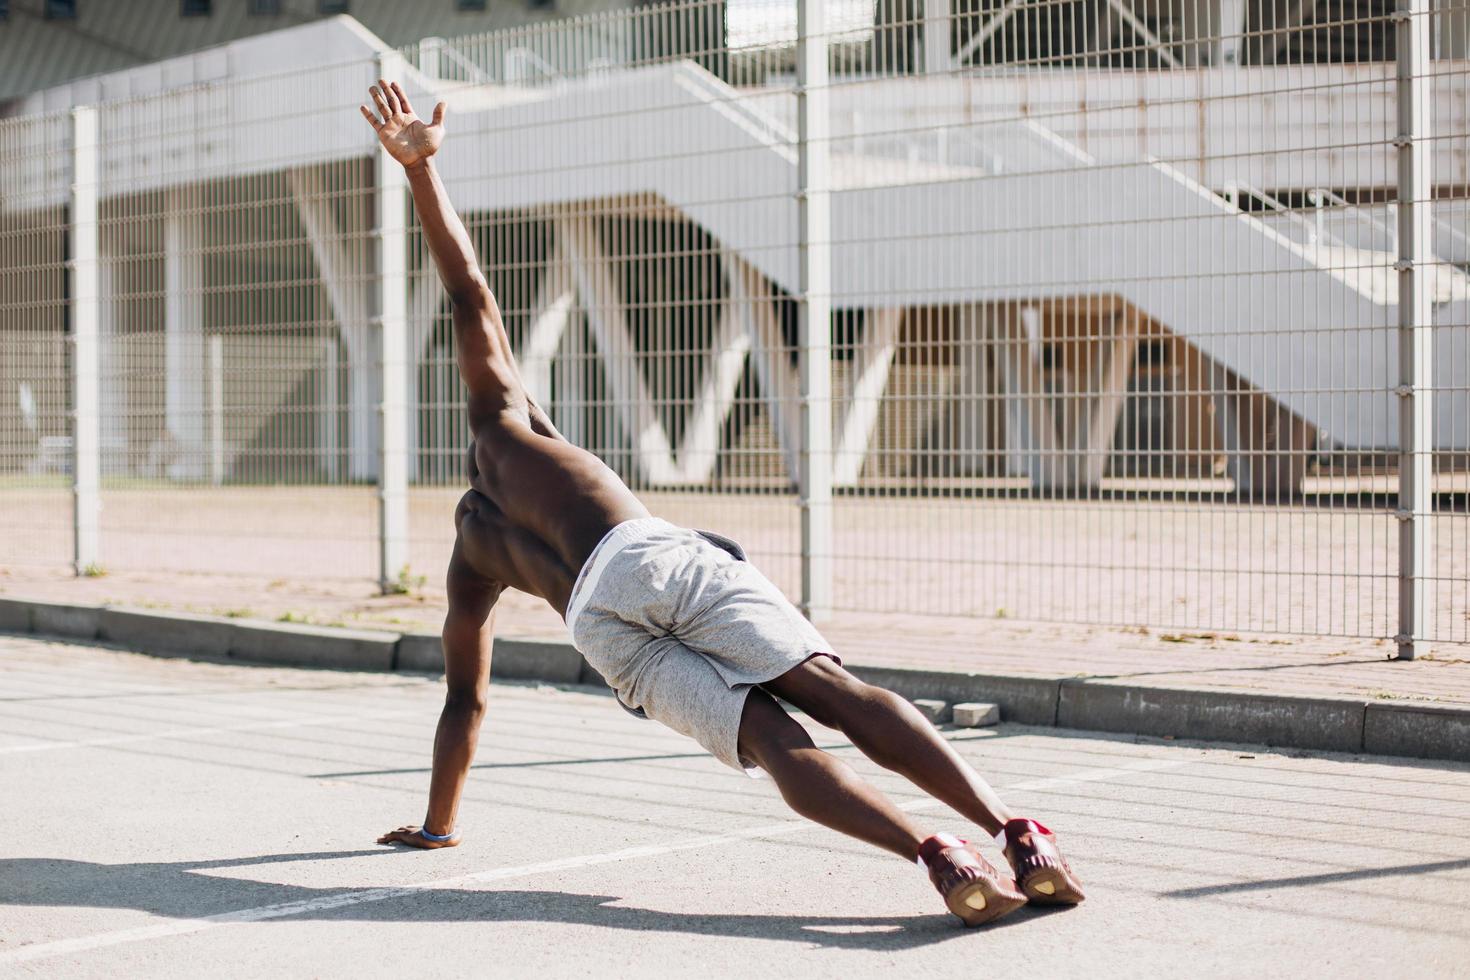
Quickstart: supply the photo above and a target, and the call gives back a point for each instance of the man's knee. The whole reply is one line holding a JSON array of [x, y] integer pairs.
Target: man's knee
[[768, 732]]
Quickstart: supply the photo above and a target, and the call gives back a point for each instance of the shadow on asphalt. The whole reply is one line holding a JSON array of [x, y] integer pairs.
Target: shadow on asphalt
[[1304, 881], [175, 890]]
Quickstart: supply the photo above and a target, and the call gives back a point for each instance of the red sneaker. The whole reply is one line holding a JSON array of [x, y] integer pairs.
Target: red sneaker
[[971, 886], [1041, 871]]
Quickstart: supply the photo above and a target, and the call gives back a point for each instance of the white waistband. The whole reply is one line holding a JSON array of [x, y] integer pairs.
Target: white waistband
[[612, 542]]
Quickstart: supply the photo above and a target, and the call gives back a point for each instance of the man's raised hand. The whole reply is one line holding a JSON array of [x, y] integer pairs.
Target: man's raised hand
[[403, 134]]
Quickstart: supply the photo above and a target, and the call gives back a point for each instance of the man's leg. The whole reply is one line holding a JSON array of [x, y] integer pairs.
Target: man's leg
[[818, 785], [891, 732], [822, 788]]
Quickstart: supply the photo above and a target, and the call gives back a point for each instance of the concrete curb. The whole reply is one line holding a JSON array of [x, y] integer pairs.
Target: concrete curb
[[62, 619], [1398, 728], [1417, 729], [293, 644], [511, 660], [1331, 724], [165, 633]]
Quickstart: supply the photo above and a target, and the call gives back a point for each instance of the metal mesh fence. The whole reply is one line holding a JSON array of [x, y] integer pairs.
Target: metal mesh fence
[[1139, 314]]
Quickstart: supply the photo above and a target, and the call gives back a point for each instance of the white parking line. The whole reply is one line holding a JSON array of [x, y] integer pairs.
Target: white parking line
[[169, 733], [81, 944]]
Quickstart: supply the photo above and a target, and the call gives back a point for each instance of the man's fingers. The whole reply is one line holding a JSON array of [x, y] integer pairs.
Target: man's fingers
[[402, 99], [381, 103], [370, 117], [388, 94], [439, 111]]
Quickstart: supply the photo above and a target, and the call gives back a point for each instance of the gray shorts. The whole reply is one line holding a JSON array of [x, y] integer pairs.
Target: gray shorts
[[682, 628]]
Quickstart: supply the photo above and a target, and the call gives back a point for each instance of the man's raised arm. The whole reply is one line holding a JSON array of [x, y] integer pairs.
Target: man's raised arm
[[483, 350]]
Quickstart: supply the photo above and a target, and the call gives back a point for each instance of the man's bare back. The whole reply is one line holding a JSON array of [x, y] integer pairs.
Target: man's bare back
[[536, 508]]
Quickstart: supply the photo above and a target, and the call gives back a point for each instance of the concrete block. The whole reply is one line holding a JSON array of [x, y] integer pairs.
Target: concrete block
[[976, 714], [1414, 728], [511, 659], [591, 678], [1024, 700], [935, 711], [421, 652], [166, 633], [552, 661], [62, 619], [1229, 716], [15, 616], [297, 645]]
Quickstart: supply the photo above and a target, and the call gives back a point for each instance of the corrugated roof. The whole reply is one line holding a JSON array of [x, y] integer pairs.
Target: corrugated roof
[[107, 35]]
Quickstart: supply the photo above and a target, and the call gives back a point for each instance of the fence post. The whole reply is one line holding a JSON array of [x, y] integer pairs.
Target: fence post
[[814, 309], [1416, 351], [86, 364], [392, 287]]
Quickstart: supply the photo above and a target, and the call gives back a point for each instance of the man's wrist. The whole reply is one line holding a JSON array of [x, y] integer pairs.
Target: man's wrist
[[419, 166], [436, 838], [435, 829]]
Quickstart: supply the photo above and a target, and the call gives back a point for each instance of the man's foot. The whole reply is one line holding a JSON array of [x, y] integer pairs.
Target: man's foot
[[1041, 871], [971, 886]]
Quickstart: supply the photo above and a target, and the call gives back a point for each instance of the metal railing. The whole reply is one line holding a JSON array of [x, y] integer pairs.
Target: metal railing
[[1059, 312]]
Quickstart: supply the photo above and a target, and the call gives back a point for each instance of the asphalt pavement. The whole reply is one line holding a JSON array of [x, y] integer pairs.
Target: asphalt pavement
[[178, 818]]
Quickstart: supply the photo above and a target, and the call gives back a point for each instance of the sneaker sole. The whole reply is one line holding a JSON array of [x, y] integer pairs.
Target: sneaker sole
[[981, 901], [1051, 886]]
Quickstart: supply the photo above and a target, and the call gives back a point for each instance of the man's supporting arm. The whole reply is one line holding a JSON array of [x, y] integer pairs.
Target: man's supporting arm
[[468, 630]]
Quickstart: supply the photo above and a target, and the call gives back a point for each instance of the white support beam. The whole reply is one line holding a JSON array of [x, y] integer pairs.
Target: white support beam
[[700, 448], [1142, 31], [86, 379], [996, 22], [770, 357], [550, 314], [217, 410], [569, 410], [430, 57], [392, 283], [591, 273], [1031, 432], [937, 25], [971, 395], [1231, 402], [328, 436], [871, 364], [1231, 33], [1106, 394], [337, 262], [632, 402], [183, 339], [113, 421], [424, 297]]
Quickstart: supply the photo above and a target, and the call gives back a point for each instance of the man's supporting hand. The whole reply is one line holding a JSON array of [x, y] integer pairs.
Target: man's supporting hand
[[402, 133], [412, 837]]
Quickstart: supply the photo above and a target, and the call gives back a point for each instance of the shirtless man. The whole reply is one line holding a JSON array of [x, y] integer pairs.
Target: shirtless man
[[683, 629]]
